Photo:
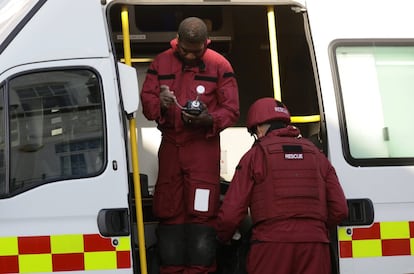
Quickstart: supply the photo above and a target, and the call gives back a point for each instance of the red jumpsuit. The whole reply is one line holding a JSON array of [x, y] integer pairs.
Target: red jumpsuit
[[293, 204], [188, 184]]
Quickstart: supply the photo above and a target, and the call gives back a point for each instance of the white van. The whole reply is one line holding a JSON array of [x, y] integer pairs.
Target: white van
[[74, 143]]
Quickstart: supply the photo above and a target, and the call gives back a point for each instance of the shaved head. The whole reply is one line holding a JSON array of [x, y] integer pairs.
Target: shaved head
[[192, 30]]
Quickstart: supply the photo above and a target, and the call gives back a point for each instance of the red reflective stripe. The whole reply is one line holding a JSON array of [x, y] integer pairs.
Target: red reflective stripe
[[34, 245], [345, 249], [411, 224], [9, 264], [123, 259], [94, 242], [68, 262], [372, 232], [396, 247]]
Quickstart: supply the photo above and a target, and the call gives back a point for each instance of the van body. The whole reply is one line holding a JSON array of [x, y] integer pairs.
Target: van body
[[78, 161]]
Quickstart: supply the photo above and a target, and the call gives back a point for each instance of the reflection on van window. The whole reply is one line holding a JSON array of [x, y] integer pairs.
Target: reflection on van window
[[56, 127], [377, 94]]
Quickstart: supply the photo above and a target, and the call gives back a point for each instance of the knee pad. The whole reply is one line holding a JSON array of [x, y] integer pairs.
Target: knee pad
[[171, 244], [201, 245]]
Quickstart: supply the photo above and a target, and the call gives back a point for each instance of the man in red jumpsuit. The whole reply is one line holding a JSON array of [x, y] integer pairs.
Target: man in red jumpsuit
[[293, 194], [187, 191]]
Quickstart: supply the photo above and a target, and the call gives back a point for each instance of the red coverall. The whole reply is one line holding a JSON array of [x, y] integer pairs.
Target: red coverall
[[286, 242], [189, 157]]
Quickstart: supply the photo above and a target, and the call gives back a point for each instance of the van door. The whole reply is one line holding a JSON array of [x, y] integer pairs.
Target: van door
[[63, 169], [365, 56]]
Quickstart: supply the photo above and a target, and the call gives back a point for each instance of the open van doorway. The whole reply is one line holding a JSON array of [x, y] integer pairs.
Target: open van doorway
[[241, 34]]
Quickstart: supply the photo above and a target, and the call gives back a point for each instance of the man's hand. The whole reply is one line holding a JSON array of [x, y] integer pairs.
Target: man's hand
[[204, 119], [167, 97]]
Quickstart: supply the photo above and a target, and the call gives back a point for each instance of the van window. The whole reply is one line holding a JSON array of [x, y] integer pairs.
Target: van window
[[56, 127], [376, 91]]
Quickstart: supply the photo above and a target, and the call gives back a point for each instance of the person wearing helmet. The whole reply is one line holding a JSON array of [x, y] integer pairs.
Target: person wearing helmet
[[293, 194], [191, 92]]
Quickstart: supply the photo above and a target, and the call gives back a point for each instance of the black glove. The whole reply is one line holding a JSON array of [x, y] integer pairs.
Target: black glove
[[204, 119]]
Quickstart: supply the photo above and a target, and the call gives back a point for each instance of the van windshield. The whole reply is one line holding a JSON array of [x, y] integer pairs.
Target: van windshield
[[11, 13]]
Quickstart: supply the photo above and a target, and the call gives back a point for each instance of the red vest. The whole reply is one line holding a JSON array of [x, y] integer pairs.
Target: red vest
[[293, 186]]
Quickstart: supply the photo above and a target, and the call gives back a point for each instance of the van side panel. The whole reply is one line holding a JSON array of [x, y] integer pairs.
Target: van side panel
[[386, 246]]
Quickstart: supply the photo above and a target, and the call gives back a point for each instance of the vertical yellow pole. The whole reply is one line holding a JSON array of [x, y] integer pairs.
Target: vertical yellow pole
[[125, 35], [134, 152], [273, 52]]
